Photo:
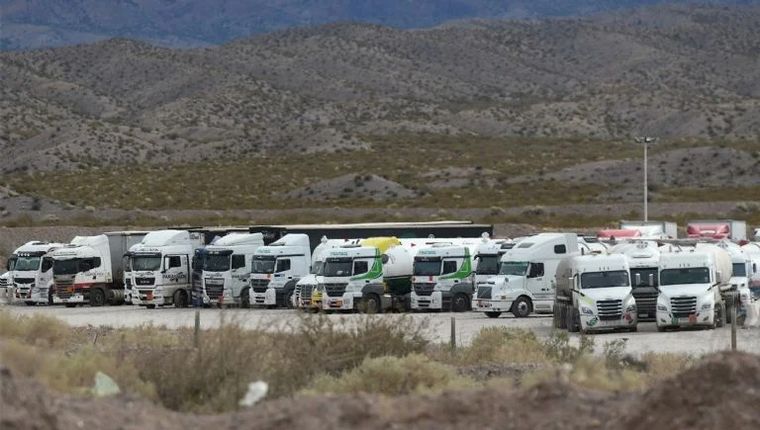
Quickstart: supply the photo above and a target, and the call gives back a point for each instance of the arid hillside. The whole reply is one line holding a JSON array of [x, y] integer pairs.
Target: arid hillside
[[670, 71]]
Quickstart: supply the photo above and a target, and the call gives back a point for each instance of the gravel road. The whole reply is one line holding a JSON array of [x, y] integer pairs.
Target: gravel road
[[695, 342]]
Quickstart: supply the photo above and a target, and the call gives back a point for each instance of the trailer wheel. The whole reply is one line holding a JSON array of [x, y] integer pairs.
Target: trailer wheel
[[371, 304], [521, 307], [459, 303], [245, 298], [180, 299], [572, 327], [97, 297], [493, 314], [721, 317]]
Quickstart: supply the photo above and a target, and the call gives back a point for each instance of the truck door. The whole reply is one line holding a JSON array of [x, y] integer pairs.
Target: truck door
[[46, 273], [240, 274], [282, 270], [176, 270], [537, 284]]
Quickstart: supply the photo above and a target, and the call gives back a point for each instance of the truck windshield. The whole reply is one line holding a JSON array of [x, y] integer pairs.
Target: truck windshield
[[514, 268], [427, 266], [488, 265], [263, 264], [613, 278], [146, 263], [216, 263], [739, 269], [691, 275], [65, 267], [644, 273], [337, 267], [27, 263]]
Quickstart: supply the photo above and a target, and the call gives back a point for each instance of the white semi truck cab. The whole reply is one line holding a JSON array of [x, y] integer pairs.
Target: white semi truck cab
[[160, 272], [32, 275], [644, 261], [525, 282], [90, 269], [443, 277], [690, 288], [372, 276], [227, 268], [277, 268], [594, 293]]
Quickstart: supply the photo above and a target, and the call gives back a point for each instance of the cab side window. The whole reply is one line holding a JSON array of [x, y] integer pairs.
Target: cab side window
[[560, 249], [536, 270], [283, 265], [238, 262], [449, 266], [361, 267], [47, 264], [175, 261]]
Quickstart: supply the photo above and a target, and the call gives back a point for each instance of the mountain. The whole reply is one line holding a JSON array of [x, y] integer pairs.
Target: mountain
[[672, 71], [192, 23]]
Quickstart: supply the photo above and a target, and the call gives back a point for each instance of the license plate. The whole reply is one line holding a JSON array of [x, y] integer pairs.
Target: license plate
[[149, 296], [337, 303]]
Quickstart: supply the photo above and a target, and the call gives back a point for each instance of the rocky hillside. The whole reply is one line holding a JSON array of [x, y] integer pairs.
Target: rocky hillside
[[183, 23], [669, 71]]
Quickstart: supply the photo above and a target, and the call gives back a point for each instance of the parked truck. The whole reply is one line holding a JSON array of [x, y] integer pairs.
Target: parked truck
[[443, 276], [227, 268], [525, 282], [32, 274], [593, 293], [740, 276], [652, 230], [160, 268], [372, 276], [306, 287], [690, 287], [277, 268], [734, 230], [90, 270], [644, 262]]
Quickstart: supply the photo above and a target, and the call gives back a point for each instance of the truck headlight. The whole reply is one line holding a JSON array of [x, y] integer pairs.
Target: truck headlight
[[158, 291], [662, 308], [707, 306], [587, 311], [631, 308]]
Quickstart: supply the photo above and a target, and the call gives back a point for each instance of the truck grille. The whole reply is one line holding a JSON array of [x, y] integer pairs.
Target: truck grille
[[423, 289], [259, 285], [214, 288], [682, 307], [23, 280], [64, 291], [145, 281], [128, 283], [3, 282], [303, 292], [335, 290], [484, 292], [610, 309], [645, 302]]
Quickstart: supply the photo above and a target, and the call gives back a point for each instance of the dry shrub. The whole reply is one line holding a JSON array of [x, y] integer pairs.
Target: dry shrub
[[393, 376], [503, 345]]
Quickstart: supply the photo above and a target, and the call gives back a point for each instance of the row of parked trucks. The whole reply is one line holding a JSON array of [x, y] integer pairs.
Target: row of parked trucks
[[639, 272]]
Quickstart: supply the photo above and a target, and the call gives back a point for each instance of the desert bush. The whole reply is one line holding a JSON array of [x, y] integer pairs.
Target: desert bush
[[392, 376], [503, 345]]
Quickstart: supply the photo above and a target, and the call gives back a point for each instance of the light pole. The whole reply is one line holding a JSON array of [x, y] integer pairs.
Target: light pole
[[646, 140]]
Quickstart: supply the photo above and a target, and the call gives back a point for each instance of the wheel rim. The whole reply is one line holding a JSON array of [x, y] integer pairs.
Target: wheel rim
[[371, 305], [460, 303], [522, 308]]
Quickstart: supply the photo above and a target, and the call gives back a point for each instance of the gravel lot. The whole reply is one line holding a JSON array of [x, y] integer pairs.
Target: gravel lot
[[694, 342]]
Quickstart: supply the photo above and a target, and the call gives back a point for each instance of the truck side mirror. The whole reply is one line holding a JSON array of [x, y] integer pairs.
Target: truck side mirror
[[651, 279], [637, 279]]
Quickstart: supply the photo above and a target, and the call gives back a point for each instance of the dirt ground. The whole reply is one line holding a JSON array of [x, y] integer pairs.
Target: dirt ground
[[720, 393]]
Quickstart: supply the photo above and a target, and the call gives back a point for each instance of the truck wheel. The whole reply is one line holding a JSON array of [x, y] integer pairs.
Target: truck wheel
[[289, 300], [71, 305], [572, 327], [633, 329], [721, 317], [50, 297], [371, 304], [245, 298], [180, 299], [97, 297], [459, 303], [493, 314], [150, 306], [521, 307], [661, 329]]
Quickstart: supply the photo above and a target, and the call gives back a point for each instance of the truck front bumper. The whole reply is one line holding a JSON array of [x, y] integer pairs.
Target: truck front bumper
[[488, 305], [346, 302], [148, 298], [699, 319], [594, 323], [433, 301], [267, 298]]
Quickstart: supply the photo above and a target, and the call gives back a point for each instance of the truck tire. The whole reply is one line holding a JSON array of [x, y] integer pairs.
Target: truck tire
[[97, 297], [50, 297], [561, 318], [180, 299], [493, 314], [70, 305], [288, 300], [521, 307], [371, 304], [572, 327], [460, 303], [245, 298], [721, 317]]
